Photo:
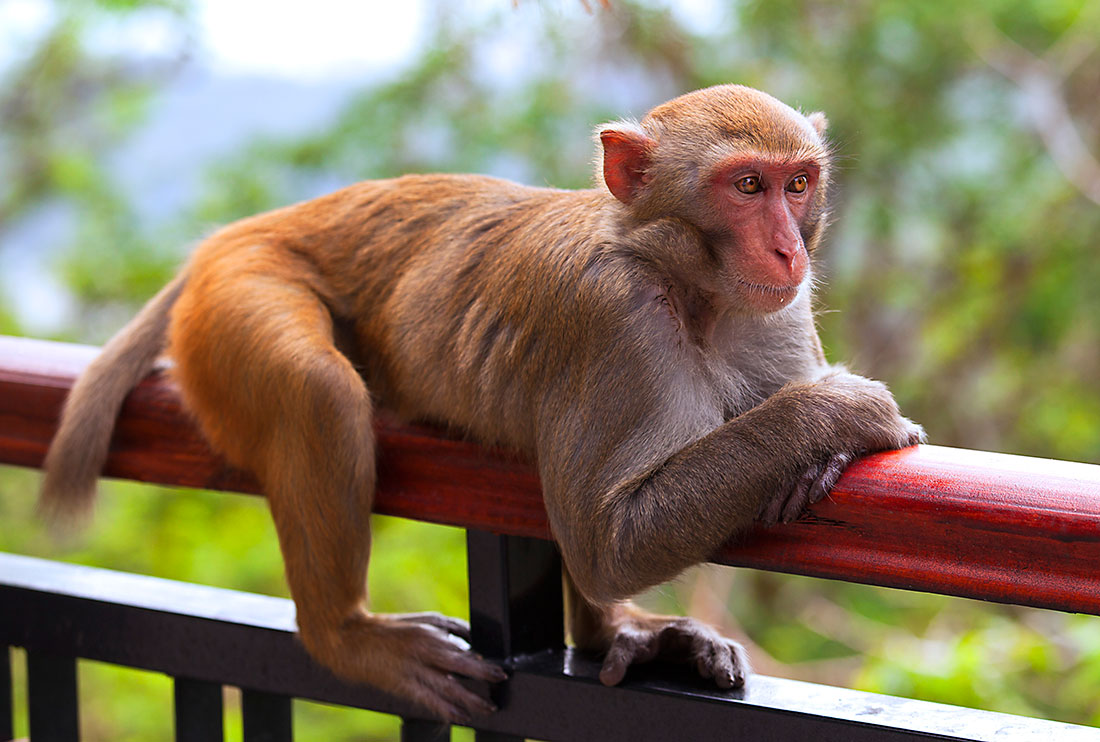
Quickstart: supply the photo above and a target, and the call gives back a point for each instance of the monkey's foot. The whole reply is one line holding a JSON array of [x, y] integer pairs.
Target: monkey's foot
[[416, 656], [814, 484], [675, 639]]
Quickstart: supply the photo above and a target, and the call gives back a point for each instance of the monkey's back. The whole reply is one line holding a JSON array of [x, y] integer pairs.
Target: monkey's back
[[453, 295], [495, 296]]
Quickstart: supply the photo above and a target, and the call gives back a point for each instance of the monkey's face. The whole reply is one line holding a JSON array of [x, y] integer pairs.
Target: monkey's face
[[744, 169], [757, 207]]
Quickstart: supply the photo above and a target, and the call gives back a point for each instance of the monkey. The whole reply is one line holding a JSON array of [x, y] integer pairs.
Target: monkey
[[649, 343]]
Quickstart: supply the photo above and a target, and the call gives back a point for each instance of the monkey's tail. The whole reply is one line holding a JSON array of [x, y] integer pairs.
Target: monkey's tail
[[79, 448]]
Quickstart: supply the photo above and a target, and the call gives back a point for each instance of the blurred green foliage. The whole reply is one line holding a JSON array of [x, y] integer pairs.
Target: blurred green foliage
[[961, 269]]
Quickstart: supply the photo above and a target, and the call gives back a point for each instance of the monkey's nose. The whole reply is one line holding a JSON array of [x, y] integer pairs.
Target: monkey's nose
[[788, 253]]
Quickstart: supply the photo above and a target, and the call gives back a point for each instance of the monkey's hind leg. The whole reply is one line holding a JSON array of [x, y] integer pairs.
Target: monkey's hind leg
[[260, 371]]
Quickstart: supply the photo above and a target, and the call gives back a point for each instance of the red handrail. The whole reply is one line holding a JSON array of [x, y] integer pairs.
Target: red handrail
[[981, 525]]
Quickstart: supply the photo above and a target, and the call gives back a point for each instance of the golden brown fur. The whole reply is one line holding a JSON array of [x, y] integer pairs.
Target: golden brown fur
[[649, 347]]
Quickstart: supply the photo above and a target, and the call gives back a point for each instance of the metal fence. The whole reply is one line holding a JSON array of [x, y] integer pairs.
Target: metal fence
[[964, 523]]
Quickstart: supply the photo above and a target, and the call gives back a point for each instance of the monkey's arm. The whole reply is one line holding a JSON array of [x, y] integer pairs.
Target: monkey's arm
[[624, 532], [674, 513]]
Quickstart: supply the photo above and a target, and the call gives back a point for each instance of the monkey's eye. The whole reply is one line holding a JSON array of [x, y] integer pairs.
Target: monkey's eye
[[749, 184], [799, 184]]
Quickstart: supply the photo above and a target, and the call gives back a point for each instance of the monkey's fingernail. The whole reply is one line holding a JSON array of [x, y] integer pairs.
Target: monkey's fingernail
[[498, 674]]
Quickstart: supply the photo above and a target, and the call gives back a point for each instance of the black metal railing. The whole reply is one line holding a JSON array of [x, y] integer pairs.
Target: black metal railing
[[206, 637], [964, 523]]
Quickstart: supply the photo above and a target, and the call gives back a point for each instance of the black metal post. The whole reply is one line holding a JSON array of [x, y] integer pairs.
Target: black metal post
[[52, 698], [7, 721], [267, 716], [516, 604], [515, 594], [199, 711]]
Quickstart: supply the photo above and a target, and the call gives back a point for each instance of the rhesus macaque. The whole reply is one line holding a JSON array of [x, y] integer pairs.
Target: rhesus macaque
[[649, 343]]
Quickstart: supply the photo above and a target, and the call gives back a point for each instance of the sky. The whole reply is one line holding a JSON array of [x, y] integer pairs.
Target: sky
[[276, 38], [294, 44], [321, 39]]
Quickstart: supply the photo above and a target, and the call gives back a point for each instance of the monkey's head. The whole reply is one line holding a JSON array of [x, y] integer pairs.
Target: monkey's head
[[746, 170]]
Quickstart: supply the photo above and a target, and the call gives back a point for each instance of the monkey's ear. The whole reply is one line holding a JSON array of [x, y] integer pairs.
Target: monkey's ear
[[819, 122], [626, 160]]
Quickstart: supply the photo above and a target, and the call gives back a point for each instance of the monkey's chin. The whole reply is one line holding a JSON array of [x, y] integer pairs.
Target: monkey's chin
[[758, 298]]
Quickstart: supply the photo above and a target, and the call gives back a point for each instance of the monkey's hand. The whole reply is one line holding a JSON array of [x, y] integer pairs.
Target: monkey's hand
[[641, 637], [814, 484], [861, 417]]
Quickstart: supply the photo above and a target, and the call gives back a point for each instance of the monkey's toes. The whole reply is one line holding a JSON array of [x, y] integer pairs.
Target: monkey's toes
[[724, 660], [473, 665], [629, 646], [454, 626], [679, 640], [438, 686], [448, 699]]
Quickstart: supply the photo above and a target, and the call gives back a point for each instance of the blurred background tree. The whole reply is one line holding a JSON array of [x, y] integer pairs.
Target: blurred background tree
[[960, 268]]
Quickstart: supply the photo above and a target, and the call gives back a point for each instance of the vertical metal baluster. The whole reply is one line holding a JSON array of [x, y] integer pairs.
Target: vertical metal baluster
[[516, 604], [267, 717], [52, 698], [199, 711], [7, 719]]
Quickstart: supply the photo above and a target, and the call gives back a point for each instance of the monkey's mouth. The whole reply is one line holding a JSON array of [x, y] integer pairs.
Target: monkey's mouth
[[776, 291]]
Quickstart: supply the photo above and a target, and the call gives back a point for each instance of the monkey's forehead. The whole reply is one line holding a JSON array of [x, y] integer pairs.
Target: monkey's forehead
[[736, 113]]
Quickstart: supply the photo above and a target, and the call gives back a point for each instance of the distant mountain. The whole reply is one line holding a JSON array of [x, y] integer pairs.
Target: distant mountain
[[195, 119], [200, 117]]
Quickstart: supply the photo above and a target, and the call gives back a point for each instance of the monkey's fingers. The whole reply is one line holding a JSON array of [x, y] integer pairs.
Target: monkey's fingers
[[793, 501], [916, 433], [769, 516], [819, 486]]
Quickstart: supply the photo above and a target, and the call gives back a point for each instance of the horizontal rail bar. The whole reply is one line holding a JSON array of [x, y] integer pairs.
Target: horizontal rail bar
[[242, 639], [980, 525]]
